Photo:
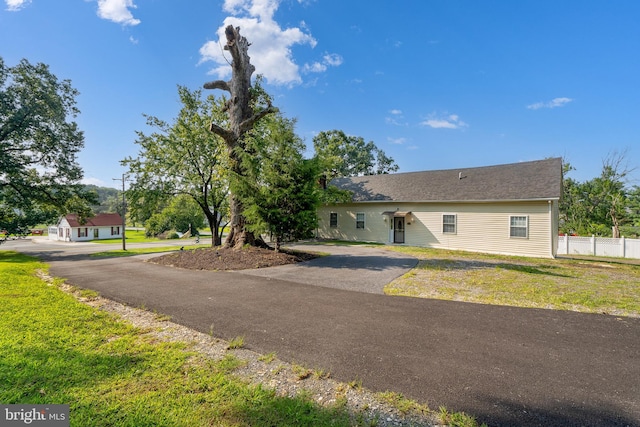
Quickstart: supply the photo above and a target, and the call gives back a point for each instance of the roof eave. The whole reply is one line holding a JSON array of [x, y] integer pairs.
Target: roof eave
[[539, 199]]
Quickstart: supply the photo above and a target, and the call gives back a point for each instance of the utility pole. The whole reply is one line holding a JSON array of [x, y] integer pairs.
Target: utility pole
[[124, 211]]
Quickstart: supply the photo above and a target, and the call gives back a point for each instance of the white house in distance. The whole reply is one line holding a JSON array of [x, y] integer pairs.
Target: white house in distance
[[506, 209], [101, 226]]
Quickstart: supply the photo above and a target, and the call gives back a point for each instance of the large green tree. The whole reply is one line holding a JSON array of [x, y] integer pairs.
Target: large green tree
[[342, 155], [182, 214], [182, 158], [280, 187], [39, 142]]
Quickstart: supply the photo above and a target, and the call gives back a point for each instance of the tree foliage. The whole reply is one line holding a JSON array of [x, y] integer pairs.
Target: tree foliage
[[341, 155], [602, 205], [633, 196], [181, 214], [39, 142], [279, 187], [182, 158]]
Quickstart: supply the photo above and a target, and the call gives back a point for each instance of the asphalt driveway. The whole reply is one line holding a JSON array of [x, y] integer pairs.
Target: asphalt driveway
[[507, 366], [351, 268]]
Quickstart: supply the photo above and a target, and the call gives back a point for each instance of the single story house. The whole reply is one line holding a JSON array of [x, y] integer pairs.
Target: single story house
[[507, 209], [101, 226]]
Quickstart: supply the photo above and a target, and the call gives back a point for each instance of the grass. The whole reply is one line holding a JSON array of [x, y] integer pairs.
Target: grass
[[301, 372], [131, 236], [457, 419], [345, 243], [267, 358], [403, 404], [236, 343], [581, 285], [141, 251], [54, 349], [139, 236]]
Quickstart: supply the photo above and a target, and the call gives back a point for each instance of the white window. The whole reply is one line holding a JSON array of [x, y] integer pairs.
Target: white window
[[449, 223], [518, 226], [360, 220]]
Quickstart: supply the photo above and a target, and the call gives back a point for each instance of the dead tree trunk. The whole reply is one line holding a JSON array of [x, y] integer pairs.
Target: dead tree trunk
[[242, 117]]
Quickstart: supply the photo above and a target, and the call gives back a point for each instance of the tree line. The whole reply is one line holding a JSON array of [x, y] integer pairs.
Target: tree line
[[607, 205]]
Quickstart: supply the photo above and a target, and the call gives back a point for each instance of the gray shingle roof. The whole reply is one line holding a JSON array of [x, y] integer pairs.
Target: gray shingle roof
[[541, 179]]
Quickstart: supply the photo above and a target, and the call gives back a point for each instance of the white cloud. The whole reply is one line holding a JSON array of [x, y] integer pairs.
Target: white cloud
[[398, 141], [446, 121], [332, 59], [396, 118], [328, 60], [112, 10], [554, 103], [316, 67], [15, 5], [271, 45], [117, 11]]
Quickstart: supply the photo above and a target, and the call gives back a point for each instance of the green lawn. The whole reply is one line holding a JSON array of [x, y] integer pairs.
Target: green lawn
[[131, 236], [56, 350], [140, 251], [138, 236], [611, 286]]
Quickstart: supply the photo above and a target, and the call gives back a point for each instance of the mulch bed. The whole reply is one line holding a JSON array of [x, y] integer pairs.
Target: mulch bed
[[221, 258]]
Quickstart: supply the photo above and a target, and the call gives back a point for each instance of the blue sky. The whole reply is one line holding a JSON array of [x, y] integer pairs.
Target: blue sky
[[437, 84]]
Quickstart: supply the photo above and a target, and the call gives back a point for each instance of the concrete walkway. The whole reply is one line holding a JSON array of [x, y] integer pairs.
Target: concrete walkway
[[507, 366]]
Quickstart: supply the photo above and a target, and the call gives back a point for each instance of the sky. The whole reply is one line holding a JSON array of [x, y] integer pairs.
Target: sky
[[436, 84]]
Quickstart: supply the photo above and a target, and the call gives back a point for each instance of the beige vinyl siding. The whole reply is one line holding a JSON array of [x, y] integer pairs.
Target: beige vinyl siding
[[483, 227], [375, 228], [555, 219], [480, 227]]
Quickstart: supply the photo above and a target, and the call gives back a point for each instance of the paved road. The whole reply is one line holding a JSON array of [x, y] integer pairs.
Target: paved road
[[507, 366]]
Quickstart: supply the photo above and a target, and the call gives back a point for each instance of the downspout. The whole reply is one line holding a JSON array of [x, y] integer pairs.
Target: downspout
[[553, 233]]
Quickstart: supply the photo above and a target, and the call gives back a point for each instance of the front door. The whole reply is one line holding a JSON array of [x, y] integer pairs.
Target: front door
[[398, 227]]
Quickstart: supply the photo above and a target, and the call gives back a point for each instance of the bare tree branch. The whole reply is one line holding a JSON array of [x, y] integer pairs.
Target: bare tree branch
[[218, 84], [247, 124], [227, 135]]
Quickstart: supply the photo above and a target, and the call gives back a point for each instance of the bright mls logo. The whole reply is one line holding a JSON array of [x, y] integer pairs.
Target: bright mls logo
[[34, 415]]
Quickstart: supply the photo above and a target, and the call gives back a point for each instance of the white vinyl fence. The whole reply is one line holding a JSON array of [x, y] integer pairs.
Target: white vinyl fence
[[599, 246]]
